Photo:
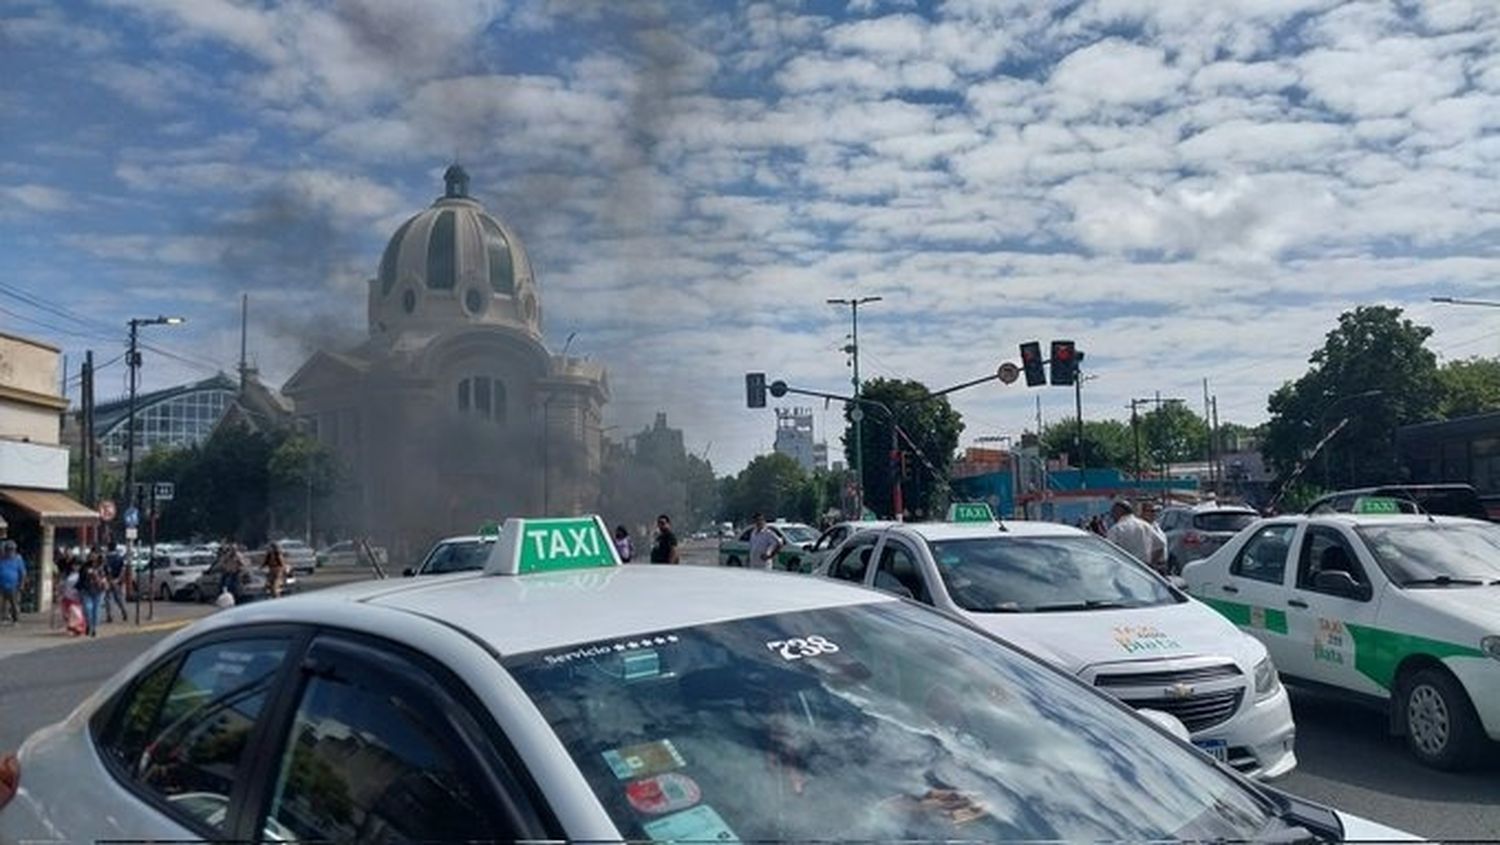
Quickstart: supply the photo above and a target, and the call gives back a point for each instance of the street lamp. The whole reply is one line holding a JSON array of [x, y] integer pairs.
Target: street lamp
[[858, 415], [1323, 419], [133, 360], [1448, 300]]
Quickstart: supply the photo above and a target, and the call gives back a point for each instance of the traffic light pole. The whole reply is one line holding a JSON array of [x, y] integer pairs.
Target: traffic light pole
[[859, 454], [1078, 405]]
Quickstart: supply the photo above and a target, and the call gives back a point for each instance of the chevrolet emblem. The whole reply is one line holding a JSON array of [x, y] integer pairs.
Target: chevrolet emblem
[[1180, 691]]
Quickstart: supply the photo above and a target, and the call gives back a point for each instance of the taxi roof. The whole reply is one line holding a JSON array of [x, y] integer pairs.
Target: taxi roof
[[517, 614], [1341, 518], [969, 530]]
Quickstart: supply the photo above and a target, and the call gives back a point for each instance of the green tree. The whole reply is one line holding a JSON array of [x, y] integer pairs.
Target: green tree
[[933, 428], [771, 484], [1106, 443], [1470, 386], [1374, 368], [1173, 434], [302, 473]]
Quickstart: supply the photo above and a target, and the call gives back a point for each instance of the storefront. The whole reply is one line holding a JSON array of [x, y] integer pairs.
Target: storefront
[[41, 522]]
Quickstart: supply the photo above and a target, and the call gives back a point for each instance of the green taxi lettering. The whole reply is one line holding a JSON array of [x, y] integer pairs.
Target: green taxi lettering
[[563, 544], [970, 512]]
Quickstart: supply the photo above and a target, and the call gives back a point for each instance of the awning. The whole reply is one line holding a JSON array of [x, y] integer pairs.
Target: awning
[[49, 507]]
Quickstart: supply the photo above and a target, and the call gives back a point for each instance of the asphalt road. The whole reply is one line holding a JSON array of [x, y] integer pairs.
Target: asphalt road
[[1346, 759]]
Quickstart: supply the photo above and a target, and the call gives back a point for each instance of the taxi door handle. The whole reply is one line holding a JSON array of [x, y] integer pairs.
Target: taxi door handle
[[1297, 603], [1228, 589]]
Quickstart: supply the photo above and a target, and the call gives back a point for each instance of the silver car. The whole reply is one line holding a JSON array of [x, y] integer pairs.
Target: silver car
[[1194, 533]]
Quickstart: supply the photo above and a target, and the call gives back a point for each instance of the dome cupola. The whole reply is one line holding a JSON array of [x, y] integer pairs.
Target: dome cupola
[[454, 262]]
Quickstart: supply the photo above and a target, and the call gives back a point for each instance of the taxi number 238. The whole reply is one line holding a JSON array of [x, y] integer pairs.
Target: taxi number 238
[[798, 648]]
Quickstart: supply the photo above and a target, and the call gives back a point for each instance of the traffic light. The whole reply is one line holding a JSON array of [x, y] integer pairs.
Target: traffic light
[[1064, 363], [755, 390], [1031, 364]]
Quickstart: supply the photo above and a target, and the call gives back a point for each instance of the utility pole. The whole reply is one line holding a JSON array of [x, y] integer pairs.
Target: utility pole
[[1078, 409], [86, 430], [133, 361], [1213, 446], [1209, 445], [857, 413]]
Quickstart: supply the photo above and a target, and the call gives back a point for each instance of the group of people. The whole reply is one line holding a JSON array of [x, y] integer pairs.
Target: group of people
[[234, 567], [85, 582], [663, 545]]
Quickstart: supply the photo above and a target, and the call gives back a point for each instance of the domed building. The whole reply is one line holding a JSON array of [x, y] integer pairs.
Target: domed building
[[453, 412]]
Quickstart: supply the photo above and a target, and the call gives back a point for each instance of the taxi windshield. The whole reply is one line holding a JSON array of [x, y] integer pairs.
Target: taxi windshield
[[1434, 554], [457, 556], [1042, 574], [874, 722]]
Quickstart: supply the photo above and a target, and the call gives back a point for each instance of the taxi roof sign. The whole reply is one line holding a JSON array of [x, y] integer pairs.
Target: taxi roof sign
[[1377, 504], [551, 545], [490, 530], [970, 512]]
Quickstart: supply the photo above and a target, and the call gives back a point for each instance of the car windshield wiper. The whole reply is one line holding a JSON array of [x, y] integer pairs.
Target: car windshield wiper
[[1444, 581], [1087, 604]]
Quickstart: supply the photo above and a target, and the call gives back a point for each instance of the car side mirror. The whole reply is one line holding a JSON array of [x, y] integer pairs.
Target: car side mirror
[[807, 547], [408, 572], [1339, 583]]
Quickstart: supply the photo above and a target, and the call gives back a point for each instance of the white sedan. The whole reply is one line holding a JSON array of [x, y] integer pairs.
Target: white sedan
[[557, 695]]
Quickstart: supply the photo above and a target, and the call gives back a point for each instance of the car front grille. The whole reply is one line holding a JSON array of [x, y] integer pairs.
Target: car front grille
[[1197, 712], [1200, 696]]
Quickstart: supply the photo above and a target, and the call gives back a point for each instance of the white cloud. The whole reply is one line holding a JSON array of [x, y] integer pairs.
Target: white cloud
[[1115, 72], [38, 197]]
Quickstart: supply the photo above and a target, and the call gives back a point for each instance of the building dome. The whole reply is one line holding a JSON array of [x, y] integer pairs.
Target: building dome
[[454, 262]]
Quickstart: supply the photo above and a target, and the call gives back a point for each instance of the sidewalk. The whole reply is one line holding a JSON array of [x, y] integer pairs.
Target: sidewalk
[[37, 631]]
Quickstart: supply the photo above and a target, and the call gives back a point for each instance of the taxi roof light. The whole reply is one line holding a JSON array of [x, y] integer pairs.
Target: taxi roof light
[[527, 546]]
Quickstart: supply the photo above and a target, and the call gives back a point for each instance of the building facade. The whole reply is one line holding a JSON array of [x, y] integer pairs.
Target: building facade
[[795, 439], [34, 504], [453, 412]]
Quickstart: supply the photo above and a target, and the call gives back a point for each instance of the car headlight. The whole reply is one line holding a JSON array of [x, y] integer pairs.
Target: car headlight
[[1266, 680], [1490, 646]]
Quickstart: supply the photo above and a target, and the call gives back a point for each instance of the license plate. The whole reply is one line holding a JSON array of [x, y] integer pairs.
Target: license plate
[[1215, 748]]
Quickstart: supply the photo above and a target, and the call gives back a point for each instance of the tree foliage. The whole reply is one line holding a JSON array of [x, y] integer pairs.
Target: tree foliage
[[1173, 434], [933, 427], [1106, 443], [1470, 386], [1375, 369]]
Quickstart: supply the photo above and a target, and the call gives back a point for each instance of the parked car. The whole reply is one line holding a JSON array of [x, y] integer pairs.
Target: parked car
[[1395, 610], [183, 568], [1095, 612], [831, 538], [464, 553], [1436, 499], [797, 542], [299, 556], [252, 584], [1194, 533], [348, 553]]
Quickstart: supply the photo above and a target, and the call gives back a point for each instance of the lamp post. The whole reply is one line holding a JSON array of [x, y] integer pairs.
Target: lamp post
[[1323, 419], [133, 360], [853, 350], [1483, 303]]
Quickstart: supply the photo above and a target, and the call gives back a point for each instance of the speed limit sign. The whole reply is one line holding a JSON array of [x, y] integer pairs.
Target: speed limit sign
[[1008, 372]]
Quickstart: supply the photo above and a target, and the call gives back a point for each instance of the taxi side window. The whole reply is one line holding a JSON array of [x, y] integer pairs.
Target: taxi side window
[[1263, 557], [378, 752], [181, 733], [854, 560], [898, 573], [1325, 550], [832, 537]]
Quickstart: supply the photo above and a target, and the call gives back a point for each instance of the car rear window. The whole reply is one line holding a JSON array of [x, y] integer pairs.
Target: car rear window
[[1231, 521]]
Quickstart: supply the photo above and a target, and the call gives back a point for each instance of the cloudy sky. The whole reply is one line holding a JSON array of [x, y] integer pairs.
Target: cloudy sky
[[1187, 189]]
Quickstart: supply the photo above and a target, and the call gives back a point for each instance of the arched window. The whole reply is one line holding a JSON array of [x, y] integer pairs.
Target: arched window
[[483, 397]]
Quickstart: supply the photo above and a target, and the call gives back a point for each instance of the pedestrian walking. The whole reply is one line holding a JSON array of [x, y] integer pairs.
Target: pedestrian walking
[[231, 570], [623, 546], [1158, 540], [12, 581], [71, 601], [664, 550], [91, 588], [1132, 534], [275, 566], [765, 544], [117, 577]]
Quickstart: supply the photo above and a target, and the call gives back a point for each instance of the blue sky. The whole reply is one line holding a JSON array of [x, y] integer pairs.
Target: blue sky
[[1186, 189]]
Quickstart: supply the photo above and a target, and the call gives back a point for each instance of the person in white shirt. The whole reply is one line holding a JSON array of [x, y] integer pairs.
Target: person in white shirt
[[1159, 544], [764, 544], [1134, 534]]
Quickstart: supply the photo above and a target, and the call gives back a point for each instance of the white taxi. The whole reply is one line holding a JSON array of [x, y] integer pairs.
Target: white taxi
[[1399, 610], [559, 696], [1092, 610]]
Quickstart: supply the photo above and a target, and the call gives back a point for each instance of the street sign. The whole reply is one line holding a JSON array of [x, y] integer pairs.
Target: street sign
[[163, 491], [1008, 373], [107, 510], [970, 512], [132, 532], [551, 545], [132, 516]]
